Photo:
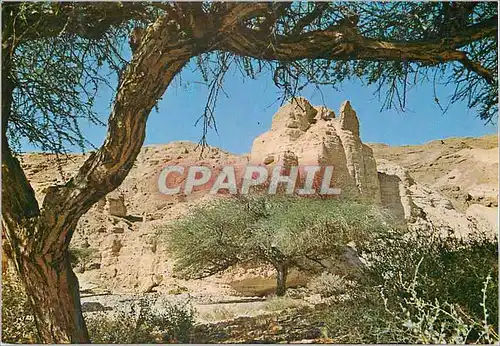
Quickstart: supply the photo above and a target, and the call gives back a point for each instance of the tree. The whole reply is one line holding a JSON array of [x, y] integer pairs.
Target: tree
[[285, 232], [50, 55], [392, 44]]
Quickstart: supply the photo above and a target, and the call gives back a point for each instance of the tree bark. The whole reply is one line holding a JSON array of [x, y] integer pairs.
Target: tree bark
[[54, 294], [281, 275], [50, 284], [39, 238]]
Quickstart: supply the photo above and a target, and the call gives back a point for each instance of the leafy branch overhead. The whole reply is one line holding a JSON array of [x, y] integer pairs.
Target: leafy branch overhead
[[393, 45]]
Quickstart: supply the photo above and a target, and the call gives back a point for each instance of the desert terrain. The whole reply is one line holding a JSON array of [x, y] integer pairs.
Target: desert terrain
[[448, 184]]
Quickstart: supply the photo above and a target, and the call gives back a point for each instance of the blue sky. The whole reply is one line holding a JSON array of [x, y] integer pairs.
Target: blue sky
[[250, 105]]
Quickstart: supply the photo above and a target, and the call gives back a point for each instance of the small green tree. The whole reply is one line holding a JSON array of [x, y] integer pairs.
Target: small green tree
[[285, 232]]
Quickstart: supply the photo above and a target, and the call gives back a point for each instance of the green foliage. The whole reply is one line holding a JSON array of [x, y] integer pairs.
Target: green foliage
[[311, 228], [327, 285], [432, 322], [219, 313], [280, 230], [167, 324], [60, 57], [18, 324], [283, 303], [209, 239], [410, 21], [422, 288], [450, 268], [427, 21], [361, 319], [56, 82], [82, 255]]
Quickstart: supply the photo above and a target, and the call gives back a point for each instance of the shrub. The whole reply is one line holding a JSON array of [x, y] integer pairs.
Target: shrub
[[169, 324], [327, 285], [283, 303], [422, 288], [18, 324], [432, 322], [362, 319], [450, 269], [219, 313], [371, 317], [285, 232], [82, 256]]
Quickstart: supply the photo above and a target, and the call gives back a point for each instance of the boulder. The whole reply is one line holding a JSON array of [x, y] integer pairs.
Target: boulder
[[116, 205]]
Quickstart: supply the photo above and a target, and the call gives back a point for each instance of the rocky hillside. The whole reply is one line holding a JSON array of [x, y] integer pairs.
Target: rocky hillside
[[464, 170], [449, 185]]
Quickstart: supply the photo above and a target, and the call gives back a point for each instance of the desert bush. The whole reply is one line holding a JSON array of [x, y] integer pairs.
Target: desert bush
[[450, 269], [80, 255], [371, 317], [362, 319], [282, 303], [219, 313], [18, 324], [433, 322], [422, 288], [328, 284], [172, 323]]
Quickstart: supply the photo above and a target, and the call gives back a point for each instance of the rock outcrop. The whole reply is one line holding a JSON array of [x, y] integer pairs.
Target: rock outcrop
[[307, 135], [314, 136], [116, 204], [465, 170], [421, 207]]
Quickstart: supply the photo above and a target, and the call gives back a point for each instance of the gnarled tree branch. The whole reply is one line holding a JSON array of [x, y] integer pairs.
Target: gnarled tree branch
[[275, 32], [88, 20], [159, 58], [345, 43]]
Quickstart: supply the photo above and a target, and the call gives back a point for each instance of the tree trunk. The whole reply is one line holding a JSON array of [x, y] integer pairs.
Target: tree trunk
[[39, 237], [54, 294], [282, 272]]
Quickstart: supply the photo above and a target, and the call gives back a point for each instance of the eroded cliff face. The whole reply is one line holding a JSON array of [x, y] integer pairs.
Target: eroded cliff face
[[120, 234], [423, 208], [465, 170], [316, 137]]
